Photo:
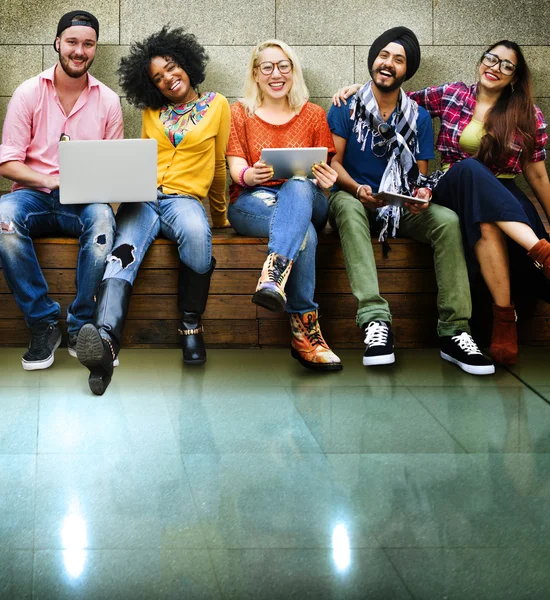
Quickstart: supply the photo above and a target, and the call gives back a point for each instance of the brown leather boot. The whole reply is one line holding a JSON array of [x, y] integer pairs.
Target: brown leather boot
[[270, 291], [540, 254], [308, 346], [504, 341]]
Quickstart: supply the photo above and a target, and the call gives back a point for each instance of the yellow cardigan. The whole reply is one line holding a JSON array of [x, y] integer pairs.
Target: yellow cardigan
[[197, 165]]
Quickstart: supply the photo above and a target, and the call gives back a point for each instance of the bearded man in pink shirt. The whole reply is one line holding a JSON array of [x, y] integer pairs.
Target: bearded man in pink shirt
[[63, 102]]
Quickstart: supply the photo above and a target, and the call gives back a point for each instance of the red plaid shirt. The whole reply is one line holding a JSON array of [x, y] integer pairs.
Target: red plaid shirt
[[454, 104]]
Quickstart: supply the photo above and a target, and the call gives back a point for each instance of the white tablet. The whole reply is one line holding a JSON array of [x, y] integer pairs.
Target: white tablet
[[288, 162], [93, 171], [397, 199]]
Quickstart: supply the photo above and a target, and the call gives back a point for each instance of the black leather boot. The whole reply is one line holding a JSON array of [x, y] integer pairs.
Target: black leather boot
[[98, 343], [192, 296]]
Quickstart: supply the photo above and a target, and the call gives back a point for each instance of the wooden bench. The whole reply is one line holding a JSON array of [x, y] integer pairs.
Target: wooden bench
[[406, 279]]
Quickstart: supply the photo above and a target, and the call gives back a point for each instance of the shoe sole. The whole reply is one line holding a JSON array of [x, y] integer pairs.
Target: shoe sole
[[270, 300], [383, 359], [471, 369], [318, 367], [89, 348], [41, 364], [72, 352]]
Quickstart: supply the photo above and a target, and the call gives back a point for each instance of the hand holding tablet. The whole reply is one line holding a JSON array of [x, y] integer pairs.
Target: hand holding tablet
[[398, 199]]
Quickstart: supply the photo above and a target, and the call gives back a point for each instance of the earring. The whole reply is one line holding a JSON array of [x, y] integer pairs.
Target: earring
[[512, 86]]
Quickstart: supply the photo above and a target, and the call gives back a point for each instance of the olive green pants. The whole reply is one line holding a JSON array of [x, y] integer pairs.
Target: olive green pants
[[437, 226]]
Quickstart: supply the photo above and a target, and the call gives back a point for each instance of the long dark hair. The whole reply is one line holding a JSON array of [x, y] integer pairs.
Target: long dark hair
[[183, 48], [512, 114]]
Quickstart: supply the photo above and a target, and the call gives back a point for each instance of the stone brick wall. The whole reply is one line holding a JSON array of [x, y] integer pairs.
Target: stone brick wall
[[331, 37]]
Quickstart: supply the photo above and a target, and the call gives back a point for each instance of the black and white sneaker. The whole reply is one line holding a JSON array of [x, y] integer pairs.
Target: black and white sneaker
[[379, 341], [461, 350], [45, 338]]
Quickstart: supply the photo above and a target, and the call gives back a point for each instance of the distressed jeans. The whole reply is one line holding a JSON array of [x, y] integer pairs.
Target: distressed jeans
[[290, 216], [178, 218], [437, 226], [27, 213]]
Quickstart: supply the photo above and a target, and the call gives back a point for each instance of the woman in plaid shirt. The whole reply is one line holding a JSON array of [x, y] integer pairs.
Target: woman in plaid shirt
[[490, 132]]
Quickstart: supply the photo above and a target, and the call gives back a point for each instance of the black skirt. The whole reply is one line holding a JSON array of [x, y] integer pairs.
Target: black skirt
[[477, 196]]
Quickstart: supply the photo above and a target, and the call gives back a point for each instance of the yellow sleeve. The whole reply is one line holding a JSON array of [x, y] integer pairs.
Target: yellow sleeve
[[216, 194]]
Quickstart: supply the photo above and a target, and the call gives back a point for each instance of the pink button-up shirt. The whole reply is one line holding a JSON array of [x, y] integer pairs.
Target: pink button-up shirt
[[36, 120]]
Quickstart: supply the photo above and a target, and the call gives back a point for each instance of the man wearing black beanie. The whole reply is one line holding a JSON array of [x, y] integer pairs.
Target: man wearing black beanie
[[383, 143], [63, 102]]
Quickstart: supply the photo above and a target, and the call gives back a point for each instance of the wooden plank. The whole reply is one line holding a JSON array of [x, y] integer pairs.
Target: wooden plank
[[162, 306], [342, 306], [237, 333], [233, 333], [154, 281]]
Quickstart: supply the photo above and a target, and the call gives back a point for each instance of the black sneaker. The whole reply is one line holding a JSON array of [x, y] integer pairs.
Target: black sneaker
[[45, 338], [379, 341], [461, 350]]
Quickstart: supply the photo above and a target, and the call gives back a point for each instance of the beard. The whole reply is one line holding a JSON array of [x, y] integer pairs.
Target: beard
[[73, 72], [388, 87]]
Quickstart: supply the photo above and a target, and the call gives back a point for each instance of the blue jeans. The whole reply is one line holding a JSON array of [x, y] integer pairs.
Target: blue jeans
[[290, 216], [179, 218], [25, 213]]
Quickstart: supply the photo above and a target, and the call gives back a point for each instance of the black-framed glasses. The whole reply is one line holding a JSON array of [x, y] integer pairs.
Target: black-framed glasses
[[267, 67], [505, 66]]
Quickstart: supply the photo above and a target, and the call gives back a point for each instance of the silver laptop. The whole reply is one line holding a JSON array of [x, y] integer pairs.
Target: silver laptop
[[287, 162], [92, 171]]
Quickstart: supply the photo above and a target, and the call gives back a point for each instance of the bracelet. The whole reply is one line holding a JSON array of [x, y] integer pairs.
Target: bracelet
[[241, 177], [358, 190]]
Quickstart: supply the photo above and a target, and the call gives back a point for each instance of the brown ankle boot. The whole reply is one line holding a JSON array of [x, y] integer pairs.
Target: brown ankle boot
[[308, 346], [540, 254], [504, 341], [270, 291]]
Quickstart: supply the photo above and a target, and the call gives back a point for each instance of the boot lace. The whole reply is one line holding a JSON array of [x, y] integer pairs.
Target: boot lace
[[276, 270], [314, 332], [465, 342], [376, 334]]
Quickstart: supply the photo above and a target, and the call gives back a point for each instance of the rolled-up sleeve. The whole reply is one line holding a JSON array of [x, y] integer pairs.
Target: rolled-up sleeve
[[16, 133]]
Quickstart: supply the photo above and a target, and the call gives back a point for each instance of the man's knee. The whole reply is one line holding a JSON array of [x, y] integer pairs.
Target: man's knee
[[445, 222]]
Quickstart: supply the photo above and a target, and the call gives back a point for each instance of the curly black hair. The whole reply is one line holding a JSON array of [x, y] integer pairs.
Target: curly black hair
[[183, 48]]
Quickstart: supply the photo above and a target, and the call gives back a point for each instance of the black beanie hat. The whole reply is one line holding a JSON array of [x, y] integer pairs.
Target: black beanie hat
[[68, 20], [403, 36]]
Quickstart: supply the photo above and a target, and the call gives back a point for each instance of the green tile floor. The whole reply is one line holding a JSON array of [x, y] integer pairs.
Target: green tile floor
[[253, 478]]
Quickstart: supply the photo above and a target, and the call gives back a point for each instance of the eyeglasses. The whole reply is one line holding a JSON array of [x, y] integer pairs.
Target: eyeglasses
[[505, 66], [267, 67]]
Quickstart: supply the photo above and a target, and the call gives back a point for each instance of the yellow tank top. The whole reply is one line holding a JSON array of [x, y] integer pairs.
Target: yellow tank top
[[469, 142]]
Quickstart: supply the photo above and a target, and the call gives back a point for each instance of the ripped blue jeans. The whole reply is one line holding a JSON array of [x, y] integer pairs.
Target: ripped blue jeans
[[289, 215], [181, 219], [26, 213]]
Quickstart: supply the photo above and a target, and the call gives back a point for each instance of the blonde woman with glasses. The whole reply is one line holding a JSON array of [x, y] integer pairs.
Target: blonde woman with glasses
[[275, 113]]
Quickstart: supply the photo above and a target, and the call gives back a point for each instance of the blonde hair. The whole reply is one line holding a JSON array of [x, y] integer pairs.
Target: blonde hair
[[253, 96]]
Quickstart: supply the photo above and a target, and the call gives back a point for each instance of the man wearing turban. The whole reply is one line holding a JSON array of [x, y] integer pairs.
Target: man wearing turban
[[383, 143]]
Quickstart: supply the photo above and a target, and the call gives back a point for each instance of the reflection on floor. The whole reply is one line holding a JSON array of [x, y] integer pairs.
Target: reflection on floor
[[253, 478]]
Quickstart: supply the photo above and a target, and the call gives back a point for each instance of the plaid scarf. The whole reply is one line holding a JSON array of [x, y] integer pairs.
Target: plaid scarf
[[400, 144]]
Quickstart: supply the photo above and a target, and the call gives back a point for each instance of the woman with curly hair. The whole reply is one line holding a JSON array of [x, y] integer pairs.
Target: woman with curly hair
[[490, 132], [161, 75], [275, 113]]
